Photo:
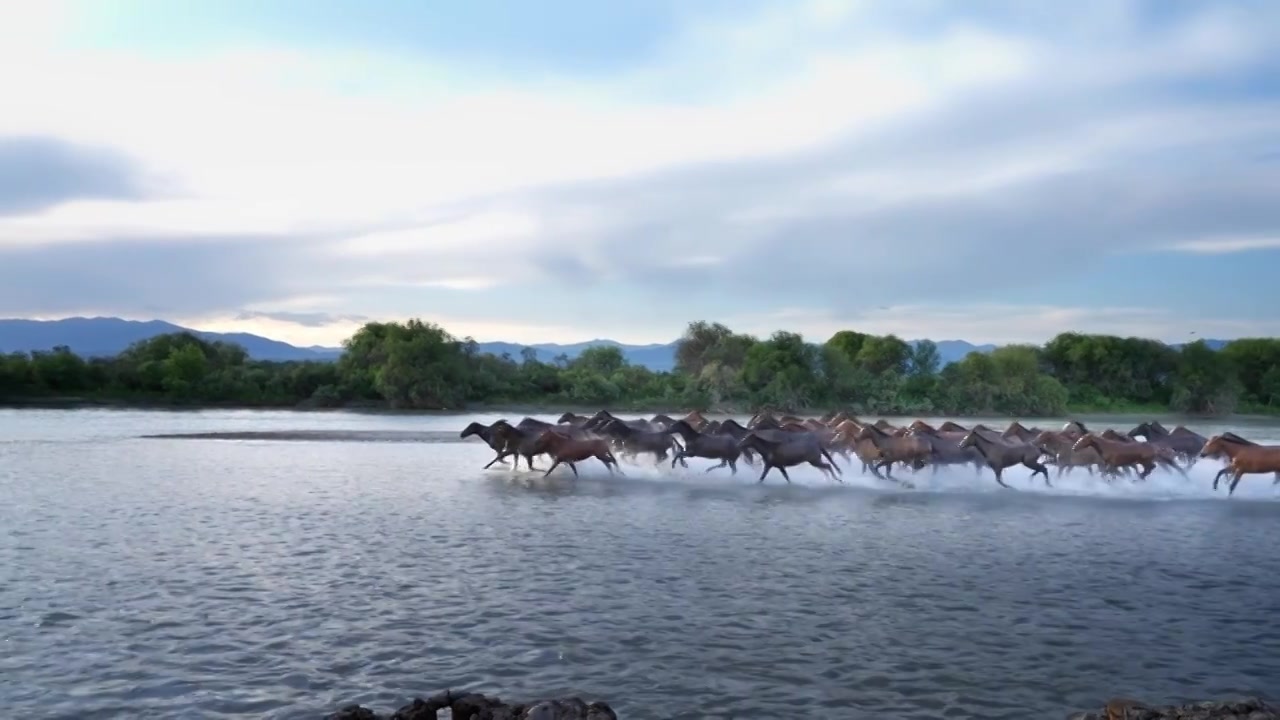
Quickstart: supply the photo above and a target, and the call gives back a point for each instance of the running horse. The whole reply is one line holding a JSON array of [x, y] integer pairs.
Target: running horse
[[1186, 443], [1116, 454], [722, 447], [1001, 455], [1244, 458], [495, 440], [781, 449], [569, 450]]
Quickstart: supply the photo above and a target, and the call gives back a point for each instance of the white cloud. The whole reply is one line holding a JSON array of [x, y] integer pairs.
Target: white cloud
[[1224, 245], [827, 154]]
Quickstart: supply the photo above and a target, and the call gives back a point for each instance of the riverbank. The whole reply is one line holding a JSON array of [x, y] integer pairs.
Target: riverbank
[[480, 707], [474, 705], [1126, 709], [553, 408]]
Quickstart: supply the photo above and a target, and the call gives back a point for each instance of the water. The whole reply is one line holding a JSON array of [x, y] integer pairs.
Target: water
[[165, 578]]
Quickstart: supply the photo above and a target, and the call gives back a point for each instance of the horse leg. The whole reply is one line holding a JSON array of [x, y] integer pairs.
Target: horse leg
[[1171, 464], [1234, 482], [785, 476], [1277, 480], [554, 465], [1147, 467], [1038, 467], [496, 459], [826, 469], [832, 460], [733, 465], [887, 466], [1226, 470], [999, 476], [767, 467], [716, 467]]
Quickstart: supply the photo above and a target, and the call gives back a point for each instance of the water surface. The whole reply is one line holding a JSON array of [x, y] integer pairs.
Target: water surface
[[281, 579]]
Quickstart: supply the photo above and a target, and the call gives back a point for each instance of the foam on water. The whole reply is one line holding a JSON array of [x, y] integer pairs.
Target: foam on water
[[1161, 484]]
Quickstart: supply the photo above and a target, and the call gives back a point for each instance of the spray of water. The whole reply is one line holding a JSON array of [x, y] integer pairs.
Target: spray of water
[[1160, 485]]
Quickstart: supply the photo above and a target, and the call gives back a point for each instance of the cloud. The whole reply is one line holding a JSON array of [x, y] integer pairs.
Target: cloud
[[305, 319], [1223, 245], [40, 172], [829, 155]]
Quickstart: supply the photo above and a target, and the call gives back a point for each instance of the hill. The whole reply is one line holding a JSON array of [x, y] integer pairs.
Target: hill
[[105, 336]]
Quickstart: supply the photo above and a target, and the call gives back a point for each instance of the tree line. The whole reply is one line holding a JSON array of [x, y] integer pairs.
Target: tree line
[[419, 365]]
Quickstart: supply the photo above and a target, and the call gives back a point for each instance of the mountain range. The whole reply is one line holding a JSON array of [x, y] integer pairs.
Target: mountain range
[[106, 336]]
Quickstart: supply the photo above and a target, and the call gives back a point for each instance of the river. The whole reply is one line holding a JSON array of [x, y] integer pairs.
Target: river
[[214, 578]]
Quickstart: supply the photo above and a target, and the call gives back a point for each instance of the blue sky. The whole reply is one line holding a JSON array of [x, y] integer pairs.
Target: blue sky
[[558, 171]]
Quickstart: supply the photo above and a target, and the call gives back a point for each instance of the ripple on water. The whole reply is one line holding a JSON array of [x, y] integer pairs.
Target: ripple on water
[[283, 579]]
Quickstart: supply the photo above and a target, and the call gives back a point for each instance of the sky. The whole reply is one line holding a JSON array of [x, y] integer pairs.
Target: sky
[[994, 171]]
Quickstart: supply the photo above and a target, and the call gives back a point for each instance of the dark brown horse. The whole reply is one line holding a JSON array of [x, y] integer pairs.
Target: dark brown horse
[[1001, 455], [1186, 443], [781, 449], [522, 442], [568, 450], [944, 448], [494, 440], [573, 419], [633, 441], [722, 447]]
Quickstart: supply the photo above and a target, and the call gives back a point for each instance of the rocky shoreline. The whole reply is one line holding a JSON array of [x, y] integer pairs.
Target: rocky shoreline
[[474, 706], [1125, 709]]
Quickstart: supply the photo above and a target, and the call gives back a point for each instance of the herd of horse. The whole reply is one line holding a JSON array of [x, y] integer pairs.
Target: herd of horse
[[787, 441]]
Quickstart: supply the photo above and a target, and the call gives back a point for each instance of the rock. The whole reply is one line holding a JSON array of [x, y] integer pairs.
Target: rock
[[1126, 709], [474, 706]]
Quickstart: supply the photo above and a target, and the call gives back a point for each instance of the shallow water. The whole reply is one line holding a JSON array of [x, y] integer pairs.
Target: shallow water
[[210, 578]]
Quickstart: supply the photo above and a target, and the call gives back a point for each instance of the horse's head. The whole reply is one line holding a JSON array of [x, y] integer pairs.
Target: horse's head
[[949, 426], [1087, 440], [474, 428], [970, 439], [920, 426], [1215, 447], [1142, 430], [566, 418]]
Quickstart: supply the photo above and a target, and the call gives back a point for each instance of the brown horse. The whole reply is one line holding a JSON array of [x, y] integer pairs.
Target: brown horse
[[910, 449], [1116, 454], [705, 445], [1018, 431], [696, 420], [1058, 445], [783, 450], [568, 450], [1245, 459], [1001, 455]]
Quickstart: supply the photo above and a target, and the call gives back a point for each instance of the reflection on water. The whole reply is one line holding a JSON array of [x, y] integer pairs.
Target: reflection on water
[[281, 579]]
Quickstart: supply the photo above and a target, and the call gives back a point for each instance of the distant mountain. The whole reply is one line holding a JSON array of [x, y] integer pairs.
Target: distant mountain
[[657, 357], [106, 336], [950, 351]]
